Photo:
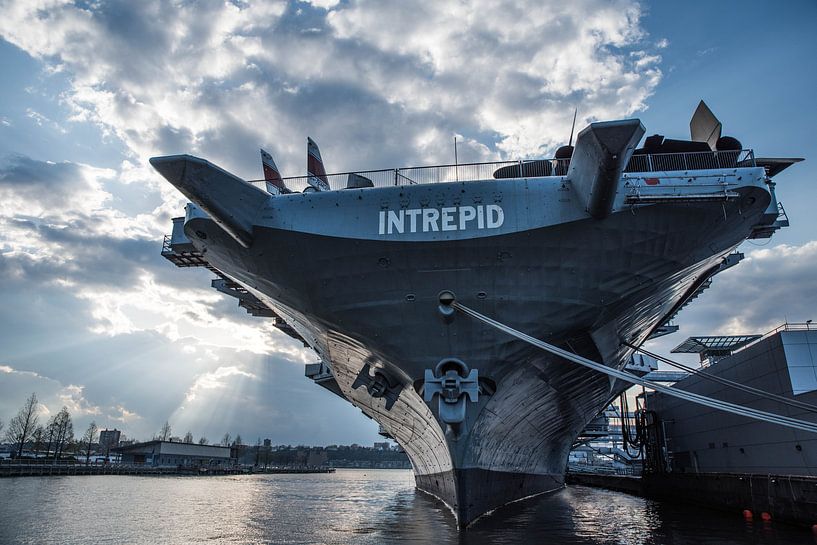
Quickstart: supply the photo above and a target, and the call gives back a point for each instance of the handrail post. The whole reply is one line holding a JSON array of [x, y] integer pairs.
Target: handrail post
[[396, 174], [520, 167]]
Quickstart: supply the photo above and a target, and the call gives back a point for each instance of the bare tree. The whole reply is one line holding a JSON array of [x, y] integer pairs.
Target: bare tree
[[225, 441], [49, 435], [23, 424], [203, 440], [60, 431], [164, 433], [238, 445], [72, 446], [188, 437], [37, 439], [88, 439], [1, 425]]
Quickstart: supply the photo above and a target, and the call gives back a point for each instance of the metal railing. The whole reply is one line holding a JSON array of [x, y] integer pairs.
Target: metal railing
[[662, 162], [698, 160], [440, 173], [41, 462], [797, 326]]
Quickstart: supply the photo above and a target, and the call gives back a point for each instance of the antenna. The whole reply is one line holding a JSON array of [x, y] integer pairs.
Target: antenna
[[573, 127], [456, 161]]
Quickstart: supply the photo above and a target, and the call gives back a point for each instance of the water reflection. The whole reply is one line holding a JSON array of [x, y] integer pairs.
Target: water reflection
[[348, 507]]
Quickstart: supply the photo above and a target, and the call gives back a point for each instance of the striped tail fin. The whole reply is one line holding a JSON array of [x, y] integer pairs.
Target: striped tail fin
[[275, 184], [314, 167]]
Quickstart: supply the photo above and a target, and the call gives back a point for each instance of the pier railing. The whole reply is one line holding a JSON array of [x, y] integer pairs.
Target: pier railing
[[38, 468], [657, 162]]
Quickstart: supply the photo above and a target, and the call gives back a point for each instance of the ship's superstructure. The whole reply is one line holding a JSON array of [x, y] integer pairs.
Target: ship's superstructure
[[592, 252]]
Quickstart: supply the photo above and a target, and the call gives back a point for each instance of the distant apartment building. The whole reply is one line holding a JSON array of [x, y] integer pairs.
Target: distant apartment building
[[109, 439], [382, 446]]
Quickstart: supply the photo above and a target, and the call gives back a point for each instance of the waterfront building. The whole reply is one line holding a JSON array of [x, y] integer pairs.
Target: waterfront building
[[174, 454], [698, 439]]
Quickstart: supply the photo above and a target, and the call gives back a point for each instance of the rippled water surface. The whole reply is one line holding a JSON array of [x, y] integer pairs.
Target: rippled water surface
[[349, 506]]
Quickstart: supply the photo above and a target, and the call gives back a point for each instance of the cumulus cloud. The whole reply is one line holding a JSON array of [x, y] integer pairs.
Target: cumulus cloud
[[16, 384], [769, 287], [50, 190], [219, 78], [214, 380], [59, 227], [141, 378], [72, 397]]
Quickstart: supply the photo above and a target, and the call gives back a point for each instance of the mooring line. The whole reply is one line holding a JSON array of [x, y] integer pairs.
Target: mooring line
[[726, 382], [627, 377]]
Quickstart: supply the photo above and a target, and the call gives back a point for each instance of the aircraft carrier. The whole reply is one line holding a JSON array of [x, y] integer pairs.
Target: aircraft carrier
[[592, 252]]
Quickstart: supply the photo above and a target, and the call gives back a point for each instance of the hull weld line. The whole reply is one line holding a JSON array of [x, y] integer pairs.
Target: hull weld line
[[435, 496], [531, 496], [623, 375]]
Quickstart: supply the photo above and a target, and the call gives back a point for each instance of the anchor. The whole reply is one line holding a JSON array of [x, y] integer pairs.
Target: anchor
[[453, 383], [378, 384]]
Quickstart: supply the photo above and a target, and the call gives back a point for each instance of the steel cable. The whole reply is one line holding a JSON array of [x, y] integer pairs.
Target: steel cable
[[726, 382], [627, 377]]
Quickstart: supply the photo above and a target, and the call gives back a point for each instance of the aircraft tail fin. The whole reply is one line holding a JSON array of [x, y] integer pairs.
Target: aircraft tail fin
[[314, 167], [275, 184]]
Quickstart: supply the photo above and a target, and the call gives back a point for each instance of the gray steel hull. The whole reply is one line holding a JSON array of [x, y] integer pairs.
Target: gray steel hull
[[586, 285]]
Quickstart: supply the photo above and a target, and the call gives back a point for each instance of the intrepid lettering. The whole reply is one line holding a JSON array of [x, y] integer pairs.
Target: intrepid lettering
[[451, 218]]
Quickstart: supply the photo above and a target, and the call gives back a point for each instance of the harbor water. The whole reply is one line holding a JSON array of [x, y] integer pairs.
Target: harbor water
[[346, 507]]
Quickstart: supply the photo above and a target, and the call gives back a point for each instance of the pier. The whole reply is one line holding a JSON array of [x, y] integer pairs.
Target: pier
[[34, 469], [785, 498]]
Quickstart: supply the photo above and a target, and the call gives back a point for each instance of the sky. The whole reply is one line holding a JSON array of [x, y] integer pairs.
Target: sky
[[95, 319]]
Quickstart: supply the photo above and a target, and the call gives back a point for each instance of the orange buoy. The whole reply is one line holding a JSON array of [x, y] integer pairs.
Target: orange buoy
[[747, 514], [765, 516]]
